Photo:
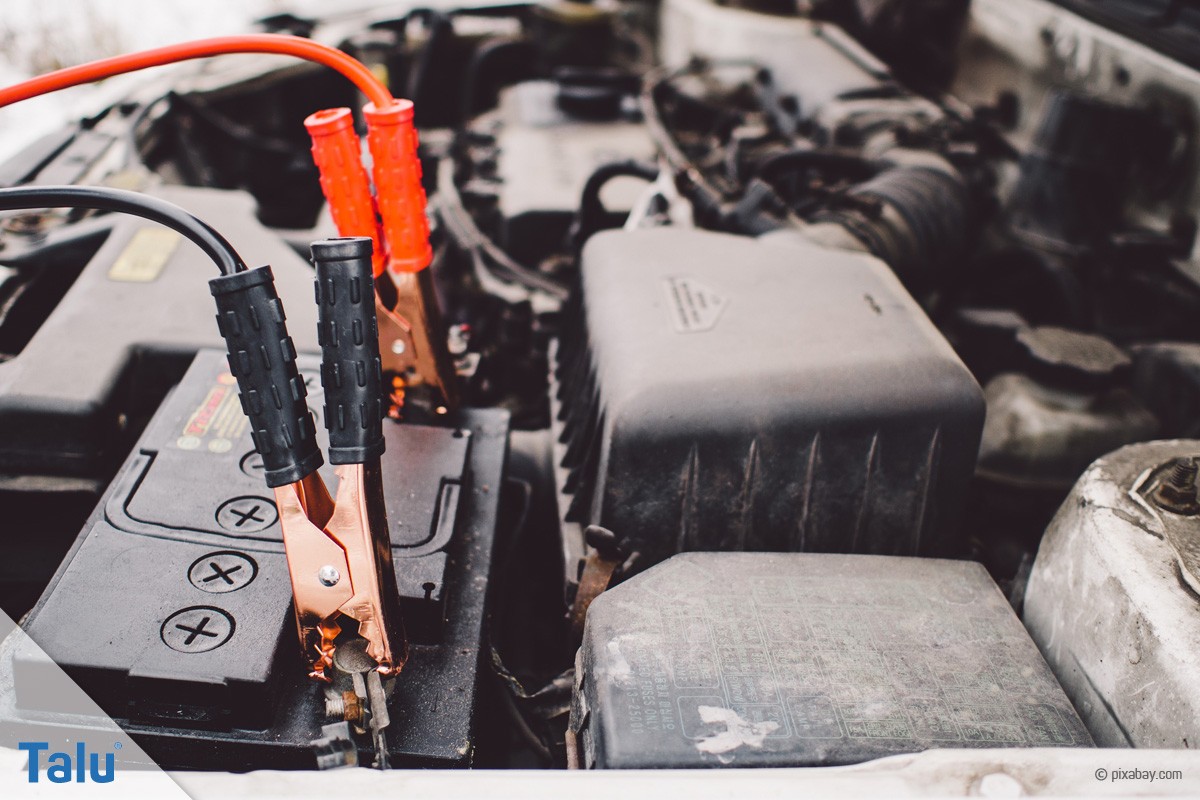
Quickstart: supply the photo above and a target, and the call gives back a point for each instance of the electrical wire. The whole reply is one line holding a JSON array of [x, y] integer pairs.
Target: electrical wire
[[135, 122], [591, 208], [239, 133], [690, 180], [274, 43], [469, 237], [214, 245], [483, 58]]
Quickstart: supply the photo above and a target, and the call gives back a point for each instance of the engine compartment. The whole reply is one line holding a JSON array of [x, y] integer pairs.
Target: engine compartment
[[764, 322]]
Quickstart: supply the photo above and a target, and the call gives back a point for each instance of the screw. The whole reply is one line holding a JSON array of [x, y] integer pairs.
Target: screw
[[328, 575], [1177, 491], [1183, 474], [343, 707], [398, 347], [458, 339]]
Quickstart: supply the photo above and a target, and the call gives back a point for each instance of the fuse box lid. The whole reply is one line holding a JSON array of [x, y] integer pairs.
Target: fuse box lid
[[765, 659]]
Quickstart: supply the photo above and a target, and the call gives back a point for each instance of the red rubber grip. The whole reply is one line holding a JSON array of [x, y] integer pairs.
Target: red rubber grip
[[398, 191], [337, 154]]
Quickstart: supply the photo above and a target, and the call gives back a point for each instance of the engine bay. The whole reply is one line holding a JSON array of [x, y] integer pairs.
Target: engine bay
[[695, 385]]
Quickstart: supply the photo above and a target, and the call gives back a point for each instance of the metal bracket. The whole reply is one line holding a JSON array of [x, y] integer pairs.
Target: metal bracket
[[1181, 532]]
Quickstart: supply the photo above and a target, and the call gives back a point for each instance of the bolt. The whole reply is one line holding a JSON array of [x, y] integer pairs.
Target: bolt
[[398, 347], [458, 339], [343, 707], [1183, 474], [328, 575], [1177, 491]]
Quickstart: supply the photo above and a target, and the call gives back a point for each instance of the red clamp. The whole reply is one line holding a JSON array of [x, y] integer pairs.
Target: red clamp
[[392, 139], [338, 156]]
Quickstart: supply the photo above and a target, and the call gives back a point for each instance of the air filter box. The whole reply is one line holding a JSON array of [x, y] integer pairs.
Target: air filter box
[[768, 659], [725, 393]]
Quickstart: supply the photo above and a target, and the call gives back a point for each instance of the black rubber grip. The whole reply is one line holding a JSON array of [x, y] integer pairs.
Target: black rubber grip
[[263, 359], [348, 333]]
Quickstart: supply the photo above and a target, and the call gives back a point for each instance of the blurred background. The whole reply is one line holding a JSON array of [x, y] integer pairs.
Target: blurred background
[[38, 36]]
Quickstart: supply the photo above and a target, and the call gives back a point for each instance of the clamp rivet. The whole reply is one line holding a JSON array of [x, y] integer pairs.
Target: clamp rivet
[[328, 575]]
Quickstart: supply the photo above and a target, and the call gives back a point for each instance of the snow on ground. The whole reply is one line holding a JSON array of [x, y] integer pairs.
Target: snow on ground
[[41, 35]]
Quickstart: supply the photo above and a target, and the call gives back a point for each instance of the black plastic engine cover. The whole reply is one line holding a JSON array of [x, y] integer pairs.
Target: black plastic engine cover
[[174, 609], [724, 393], [543, 159], [797, 660]]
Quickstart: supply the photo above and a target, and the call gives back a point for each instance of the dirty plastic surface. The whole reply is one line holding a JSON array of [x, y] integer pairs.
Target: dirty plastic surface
[[763, 659]]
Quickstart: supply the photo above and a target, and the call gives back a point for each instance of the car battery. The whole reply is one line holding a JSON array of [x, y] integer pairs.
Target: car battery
[[98, 319], [794, 660], [173, 610]]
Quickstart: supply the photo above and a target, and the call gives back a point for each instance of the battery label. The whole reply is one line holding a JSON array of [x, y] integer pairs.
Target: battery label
[[144, 257], [217, 422]]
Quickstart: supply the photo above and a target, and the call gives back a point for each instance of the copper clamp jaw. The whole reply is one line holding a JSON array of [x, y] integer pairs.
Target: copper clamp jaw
[[338, 551], [412, 337], [340, 561]]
